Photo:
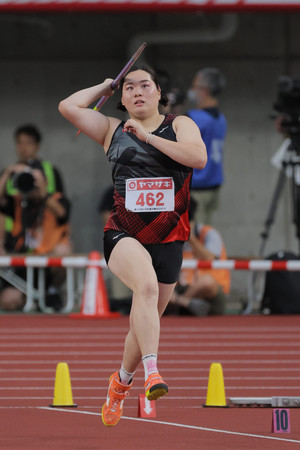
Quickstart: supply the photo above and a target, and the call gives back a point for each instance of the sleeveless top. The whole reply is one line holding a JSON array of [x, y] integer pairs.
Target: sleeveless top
[[130, 158]]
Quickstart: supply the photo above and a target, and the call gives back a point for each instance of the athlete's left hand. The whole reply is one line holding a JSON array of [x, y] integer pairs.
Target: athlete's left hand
[[136, 128]]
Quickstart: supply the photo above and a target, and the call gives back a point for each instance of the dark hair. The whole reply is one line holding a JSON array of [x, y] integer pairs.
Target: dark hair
[[213, 79], [30, 130], [163, 100]]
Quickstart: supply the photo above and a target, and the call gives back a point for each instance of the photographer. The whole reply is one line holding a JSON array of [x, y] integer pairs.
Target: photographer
[[39, 226], [27, 144]]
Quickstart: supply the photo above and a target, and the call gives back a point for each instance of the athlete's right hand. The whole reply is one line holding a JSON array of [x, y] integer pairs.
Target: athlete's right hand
[[108, 91]]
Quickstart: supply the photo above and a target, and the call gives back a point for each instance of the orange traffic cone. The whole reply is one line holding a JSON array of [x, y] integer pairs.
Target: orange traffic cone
[[95, 303]]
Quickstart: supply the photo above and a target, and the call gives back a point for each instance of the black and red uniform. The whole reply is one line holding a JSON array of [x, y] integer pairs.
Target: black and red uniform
[[132, 158]]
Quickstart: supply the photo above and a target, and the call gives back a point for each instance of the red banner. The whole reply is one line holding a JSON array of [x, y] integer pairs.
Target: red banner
[[148, 5]]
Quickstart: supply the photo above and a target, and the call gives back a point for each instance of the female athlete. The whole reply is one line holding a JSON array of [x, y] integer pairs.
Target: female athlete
[[151, 156]]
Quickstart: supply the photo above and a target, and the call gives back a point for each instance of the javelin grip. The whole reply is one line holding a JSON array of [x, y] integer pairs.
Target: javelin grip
[[122, 74], [119, 77]]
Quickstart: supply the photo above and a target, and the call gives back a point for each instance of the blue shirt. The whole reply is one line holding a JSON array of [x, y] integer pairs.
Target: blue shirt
[[213, 128]]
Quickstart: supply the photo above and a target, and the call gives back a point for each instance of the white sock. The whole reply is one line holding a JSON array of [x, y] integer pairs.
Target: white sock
[[125, 376], [150, 364]]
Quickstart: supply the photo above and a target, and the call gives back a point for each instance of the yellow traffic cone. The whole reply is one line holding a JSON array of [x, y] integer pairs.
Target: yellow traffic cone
[[62, 388], [215, 390]]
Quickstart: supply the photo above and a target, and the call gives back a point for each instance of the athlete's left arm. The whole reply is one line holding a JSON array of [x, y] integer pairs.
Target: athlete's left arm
[[189, 149]]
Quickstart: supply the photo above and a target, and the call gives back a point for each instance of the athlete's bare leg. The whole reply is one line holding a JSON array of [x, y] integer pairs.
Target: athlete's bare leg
[[132, 354], [165, 292], [131, 262]]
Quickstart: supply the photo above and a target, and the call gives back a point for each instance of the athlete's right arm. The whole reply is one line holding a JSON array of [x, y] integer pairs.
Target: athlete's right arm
[[76, 109]]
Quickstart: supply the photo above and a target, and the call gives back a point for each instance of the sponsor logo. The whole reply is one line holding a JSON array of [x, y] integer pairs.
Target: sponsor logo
[[163, 129], [118, 235]]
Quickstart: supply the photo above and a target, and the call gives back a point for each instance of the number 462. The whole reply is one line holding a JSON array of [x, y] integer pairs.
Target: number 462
[[150, 199]]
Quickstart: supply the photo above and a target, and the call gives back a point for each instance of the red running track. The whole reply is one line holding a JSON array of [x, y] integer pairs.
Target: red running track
[[259, 356]]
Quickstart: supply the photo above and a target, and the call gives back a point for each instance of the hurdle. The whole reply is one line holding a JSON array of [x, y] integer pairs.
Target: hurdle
[[75, 262]]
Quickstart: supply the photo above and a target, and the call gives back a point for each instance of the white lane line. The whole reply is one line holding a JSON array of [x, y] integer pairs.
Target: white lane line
[[181, 378], [49, 399], [162, 368], [100, 336], [103, 328], [119, 352], [162, 361], [97, 407], [173, 388], [181, 425], [66, 330], [162, 345]]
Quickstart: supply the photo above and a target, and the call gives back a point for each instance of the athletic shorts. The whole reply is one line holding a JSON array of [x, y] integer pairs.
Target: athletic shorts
[[166, 258]]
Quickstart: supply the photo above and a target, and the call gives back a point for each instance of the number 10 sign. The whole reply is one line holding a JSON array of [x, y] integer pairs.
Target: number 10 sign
[[281, 421]]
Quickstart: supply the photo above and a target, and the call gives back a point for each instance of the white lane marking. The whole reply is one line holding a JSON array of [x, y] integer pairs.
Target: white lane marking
[[193, 369], [161, 345], [162, 361], [181, 378], [183, 352], [174, 388], [180, 425], [99, 336], [49, 399], [164, 329]]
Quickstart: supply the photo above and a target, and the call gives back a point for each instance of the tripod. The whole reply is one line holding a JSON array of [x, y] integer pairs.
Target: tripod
[[290, 163]]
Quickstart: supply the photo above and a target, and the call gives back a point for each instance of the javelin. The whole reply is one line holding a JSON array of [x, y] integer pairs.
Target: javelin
[[121, 75]]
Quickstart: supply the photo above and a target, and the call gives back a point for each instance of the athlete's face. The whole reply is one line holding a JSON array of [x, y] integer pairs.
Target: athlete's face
[[140, 95], [26, 147]]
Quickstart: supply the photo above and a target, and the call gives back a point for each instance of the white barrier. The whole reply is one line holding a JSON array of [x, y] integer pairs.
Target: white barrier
[[71, 263]]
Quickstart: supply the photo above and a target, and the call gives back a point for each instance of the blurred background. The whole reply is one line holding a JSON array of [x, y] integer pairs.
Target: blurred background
[[47, 55]]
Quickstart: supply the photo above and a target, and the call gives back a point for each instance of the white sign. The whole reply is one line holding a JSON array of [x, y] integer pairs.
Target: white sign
[[149, 194]]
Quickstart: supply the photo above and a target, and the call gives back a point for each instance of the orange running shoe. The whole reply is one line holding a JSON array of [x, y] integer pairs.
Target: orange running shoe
[[113, 407], [155, 386]]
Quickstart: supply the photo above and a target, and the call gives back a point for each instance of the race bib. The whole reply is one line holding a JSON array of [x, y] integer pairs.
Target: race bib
[[149, 194]]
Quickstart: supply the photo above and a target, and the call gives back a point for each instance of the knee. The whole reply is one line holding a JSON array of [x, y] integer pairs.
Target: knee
[[11, 299], [209, 286], [147, 290]]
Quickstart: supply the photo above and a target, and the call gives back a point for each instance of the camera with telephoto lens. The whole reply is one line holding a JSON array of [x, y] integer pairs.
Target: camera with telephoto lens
[[24, 181], [288, 104]]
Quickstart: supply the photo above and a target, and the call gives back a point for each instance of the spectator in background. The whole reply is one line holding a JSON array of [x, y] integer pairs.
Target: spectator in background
[[176, 100], [120, 296], [207, 85], [171, 88], [27, 143], [39, 226], [202, 292]]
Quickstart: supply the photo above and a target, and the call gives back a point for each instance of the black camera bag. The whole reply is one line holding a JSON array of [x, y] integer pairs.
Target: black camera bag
[[282, 288]]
